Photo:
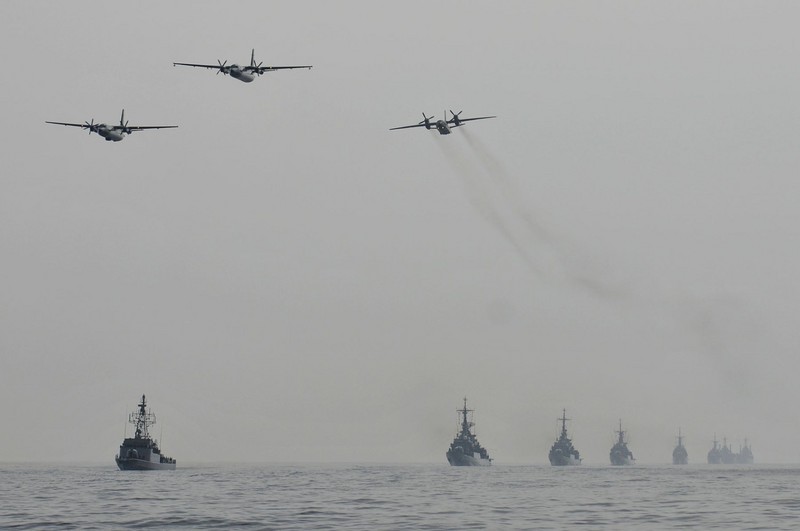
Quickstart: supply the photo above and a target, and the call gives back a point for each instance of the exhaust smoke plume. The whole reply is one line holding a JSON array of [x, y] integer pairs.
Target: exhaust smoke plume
[[479, 194], [701, 318], [496, 196]]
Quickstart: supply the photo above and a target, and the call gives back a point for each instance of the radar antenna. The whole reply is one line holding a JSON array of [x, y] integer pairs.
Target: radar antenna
[[142, 419]]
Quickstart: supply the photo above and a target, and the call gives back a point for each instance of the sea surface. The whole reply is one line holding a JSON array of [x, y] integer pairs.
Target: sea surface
[[393, 497]]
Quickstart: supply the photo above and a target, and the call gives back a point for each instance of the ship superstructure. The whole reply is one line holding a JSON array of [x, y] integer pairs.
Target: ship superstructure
[[140, 452], [563, 453], [620, 454], [465, 450]]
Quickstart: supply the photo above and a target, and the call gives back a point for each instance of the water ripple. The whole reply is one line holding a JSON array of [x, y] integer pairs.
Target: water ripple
[[374, 497]]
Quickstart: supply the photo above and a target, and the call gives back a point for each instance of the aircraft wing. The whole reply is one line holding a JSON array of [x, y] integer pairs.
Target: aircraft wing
[[218, 67], [408, 127], [143, 127], [462, 120], [71, 125], [262, 69]]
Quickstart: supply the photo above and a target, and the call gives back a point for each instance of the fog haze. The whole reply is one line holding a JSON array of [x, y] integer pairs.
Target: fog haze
[[287, 280]]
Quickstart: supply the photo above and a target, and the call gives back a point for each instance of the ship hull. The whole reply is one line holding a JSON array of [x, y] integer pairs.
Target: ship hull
[[141, 464], [564, 460], [680, 459], [621, 461], [460, 459]]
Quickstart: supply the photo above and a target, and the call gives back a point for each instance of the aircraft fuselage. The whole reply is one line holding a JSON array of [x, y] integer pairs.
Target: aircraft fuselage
[[241, 75], [442, 127], [111, 135]]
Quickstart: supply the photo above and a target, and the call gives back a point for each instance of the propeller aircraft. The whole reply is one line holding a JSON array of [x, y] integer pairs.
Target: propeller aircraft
[[113, 133], [243, 73], [445, 127]]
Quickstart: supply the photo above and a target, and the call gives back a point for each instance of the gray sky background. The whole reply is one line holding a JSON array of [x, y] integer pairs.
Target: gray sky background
[[287, 280]]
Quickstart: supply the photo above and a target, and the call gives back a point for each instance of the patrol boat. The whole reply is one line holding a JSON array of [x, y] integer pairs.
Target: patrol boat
[[563, 453], [465, 450], [620, 454], [140, 452], [679, 455]]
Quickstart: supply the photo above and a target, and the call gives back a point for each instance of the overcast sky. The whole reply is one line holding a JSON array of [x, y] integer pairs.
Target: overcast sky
[[289, 281]]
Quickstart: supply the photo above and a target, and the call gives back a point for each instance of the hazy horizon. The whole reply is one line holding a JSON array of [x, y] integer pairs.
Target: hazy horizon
[[289, 281]]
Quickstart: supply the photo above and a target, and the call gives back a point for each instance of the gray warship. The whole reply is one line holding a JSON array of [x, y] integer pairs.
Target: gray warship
[[679, 455], [724, 455], [562, 452], [620, 454], [140, 452], [714, 457], [746, 454], [465, 450]]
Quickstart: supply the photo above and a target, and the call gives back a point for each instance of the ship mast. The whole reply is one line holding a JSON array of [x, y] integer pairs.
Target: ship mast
[[142, 419], [621, 433], [564, 420], [465, 423], [680, 437]]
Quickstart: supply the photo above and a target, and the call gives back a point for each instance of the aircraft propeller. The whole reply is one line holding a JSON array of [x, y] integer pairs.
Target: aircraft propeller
[[89, 126], [222, 67], [456, 119], [427, 119]]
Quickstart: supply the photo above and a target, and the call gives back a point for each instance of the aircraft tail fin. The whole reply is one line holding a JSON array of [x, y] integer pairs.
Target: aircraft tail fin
[[253, 57]]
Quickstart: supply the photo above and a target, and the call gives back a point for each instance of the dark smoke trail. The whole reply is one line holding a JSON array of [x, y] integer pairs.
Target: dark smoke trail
[[479, 198], [507, 186], [723, 332], [567, 263]]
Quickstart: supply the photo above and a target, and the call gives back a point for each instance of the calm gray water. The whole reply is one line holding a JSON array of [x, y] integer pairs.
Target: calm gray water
[[399, 497]]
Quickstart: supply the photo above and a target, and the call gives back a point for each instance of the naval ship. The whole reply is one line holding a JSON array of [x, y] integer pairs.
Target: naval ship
[[620, 454], [465, 450], [726, 456], [746, 454], [563, 453], [679, 455], [140, 452], [714, 455]]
